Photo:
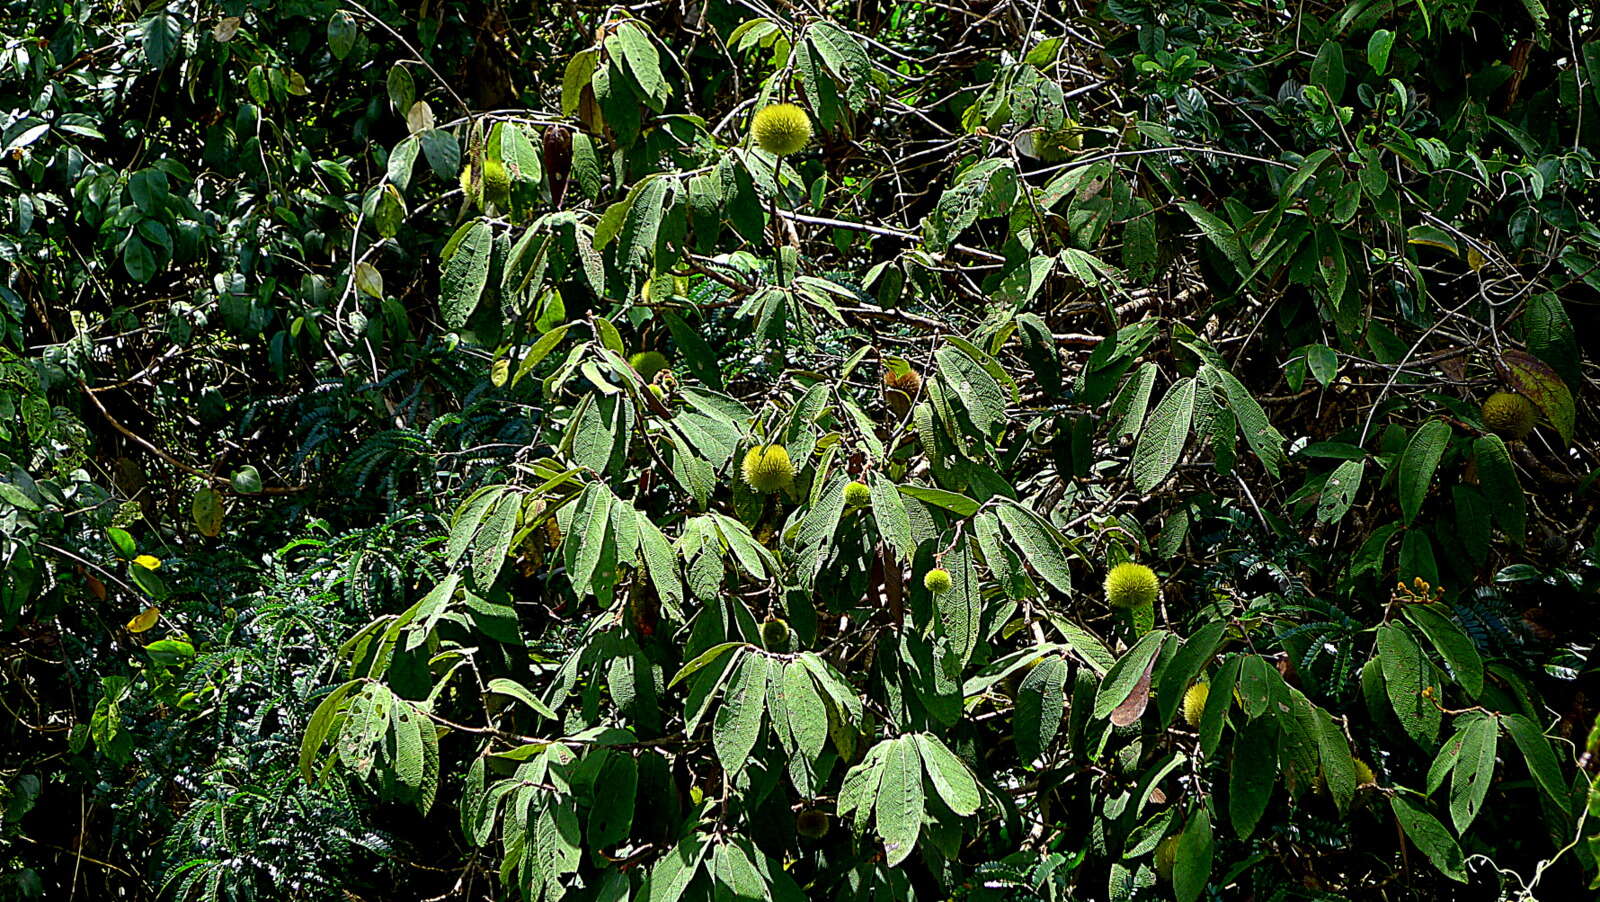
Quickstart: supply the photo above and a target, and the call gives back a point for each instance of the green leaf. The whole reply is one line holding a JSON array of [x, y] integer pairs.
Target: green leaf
[[514, 689], [1498, 479], [1039, 543], [321, 723], [1378, 47], [1539, 381], [1541, 760], [1406, 673], [1124, 676], [703, 660], [1339, 492], [671, 875], [465, 273], [738, 722], [950, 776], [1191, 869], [1041, 700], [1253, 775], [1264, 440], [1338, 768], [639, 56], [341, 34], [1220, 234], [955, 502], [1474, 770], [899, 808], [1418, 463], [1327, 70], [1452, 644], [1430, 836], [1161, 444]]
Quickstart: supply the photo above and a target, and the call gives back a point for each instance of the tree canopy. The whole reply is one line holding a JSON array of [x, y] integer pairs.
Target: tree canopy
[[898, 449]]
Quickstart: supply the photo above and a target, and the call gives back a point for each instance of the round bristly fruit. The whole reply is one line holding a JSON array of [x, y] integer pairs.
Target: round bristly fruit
[[1131, 585], [767, 468], [900, 387], [1364, 774], [781, 129], [496, 182], [775, 634], [1194, 703], [812, 823], [1166, 857], [937, 580], [1509, 415], [648, 363], [857, 494]]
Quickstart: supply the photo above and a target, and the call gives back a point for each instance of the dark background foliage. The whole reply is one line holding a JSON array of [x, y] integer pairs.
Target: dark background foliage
[[327, 489]]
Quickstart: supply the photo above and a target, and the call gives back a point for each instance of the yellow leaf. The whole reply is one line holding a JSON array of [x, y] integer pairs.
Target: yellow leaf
[[146, 619], [148, 561]]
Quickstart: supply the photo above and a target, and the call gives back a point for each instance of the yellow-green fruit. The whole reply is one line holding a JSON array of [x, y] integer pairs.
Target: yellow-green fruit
[[1364, 774], [472, 182], [775, 634], [1166, 857], [1131, 585], [1509, 415], [937, 580], [496, 182], [658, 391], [781, 129], [1194, 703], [857, 494], [812, 824], [767, 468], [648, 363]]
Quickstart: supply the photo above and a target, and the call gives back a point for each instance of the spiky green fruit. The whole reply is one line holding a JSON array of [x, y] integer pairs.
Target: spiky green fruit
[[812, 824], [496, 182], [857, 494], [472, 182], [775, 634], [1194, 703], [1509, 415], [767, 468], [1131, 585], [781, 129], [648, 363], [937, 580], [1166, 857], [1364, 774]]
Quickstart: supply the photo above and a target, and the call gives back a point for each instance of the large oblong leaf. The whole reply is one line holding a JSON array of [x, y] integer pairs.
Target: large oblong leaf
[[466, 271], [899, 809], [1418, 463], [1161, 444]]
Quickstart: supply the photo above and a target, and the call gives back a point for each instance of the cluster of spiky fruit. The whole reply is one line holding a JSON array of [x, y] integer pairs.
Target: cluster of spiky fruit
[[767, 468], [781, 129], [1509, 415], [1129, 586]]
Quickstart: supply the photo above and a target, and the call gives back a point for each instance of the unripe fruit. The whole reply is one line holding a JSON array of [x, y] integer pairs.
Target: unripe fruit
[[1508, 415], [648, 363], [1194, 703], [496, 182], [1166, 857], [900, 388], [1364, 774], [767, 468], [1131, 585], [472, 182], [937, 580], [781, 129], [857, 494], [775, 634], [812, 824]]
